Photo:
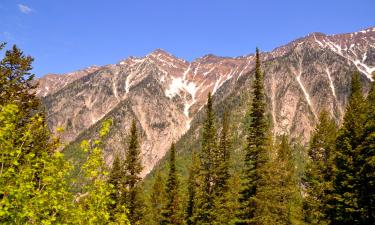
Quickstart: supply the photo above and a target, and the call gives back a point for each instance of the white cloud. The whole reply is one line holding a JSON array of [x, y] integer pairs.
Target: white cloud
[[25, 9]]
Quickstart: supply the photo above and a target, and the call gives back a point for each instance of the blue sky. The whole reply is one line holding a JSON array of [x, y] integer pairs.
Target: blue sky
[[66, 35]]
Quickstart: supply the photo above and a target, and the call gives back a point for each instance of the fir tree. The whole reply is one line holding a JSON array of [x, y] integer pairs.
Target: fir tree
[[16, 82], [208, 159], [367, 162], [116, 179], [256, 150], [277, 196], [346, 184], [157, 199], [193, 184], [222, 188], [133, 168], [171, 211], [319, 175]]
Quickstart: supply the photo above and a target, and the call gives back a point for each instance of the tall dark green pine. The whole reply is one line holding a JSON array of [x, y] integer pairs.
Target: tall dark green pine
[[256, 150], [222, 196], [367, 161], [133, 168], [171, 212], [205, 195], [319, 171], [157, 199], [347, 159], [116, 178], [193, 185]]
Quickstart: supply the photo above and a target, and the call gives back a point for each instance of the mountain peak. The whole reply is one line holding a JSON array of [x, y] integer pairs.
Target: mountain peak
[[160, 52]]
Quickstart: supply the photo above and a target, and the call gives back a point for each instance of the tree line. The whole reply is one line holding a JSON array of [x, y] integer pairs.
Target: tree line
[[336, 185]]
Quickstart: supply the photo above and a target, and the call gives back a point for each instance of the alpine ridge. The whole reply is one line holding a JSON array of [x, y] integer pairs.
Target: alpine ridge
[[164, 94]]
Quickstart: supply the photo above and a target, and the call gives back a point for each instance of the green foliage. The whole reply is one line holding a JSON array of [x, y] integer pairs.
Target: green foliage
[[207, 174], [278, 196], [16, 82], [132, 169], [93, 205], [35, 184], [319, 175], [157, 200], [171, 212], [224, 203], [346, 185], [116, 179], [193, 184], [32, 184], [366, 172], [256, 149]]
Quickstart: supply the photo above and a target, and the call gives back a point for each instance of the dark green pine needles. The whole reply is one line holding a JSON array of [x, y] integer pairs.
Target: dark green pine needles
[[133, 168], [172, 209], [256, 150]]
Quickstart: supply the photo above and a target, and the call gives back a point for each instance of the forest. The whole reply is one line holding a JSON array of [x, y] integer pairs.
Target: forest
[[260, 179]]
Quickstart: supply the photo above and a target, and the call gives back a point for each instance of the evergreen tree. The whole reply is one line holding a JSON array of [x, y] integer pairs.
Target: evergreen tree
[[367, 162], [347, 159], [193, 184], [116, 179], [208, 161], [256, 150], [277, 196], [171, 211], [157, 199], [319, 175], [133, 168], [222, 188], [16, 82]]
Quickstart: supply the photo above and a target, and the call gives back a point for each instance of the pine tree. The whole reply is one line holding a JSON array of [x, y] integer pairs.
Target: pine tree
[[367, 162], [256, 150], [133, 168], [193, 185], [346, 183], [205, 195], [171, 212], [16, 82], [157, 199], [277, 196], [319, 175], [222, 188], [116, 179]]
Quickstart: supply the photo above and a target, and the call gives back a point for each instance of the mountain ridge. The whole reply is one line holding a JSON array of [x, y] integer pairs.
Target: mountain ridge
[[164, 93]]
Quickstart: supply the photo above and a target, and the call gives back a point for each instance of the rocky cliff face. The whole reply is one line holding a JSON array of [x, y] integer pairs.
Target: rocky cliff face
[[164, 93]]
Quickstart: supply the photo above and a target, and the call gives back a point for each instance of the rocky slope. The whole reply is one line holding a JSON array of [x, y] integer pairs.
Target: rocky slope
[[164, 93]]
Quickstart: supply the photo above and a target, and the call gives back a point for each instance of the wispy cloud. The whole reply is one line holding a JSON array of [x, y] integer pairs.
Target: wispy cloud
[[25, 9]]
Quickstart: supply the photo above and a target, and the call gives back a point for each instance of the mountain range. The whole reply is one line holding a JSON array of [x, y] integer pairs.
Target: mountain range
[[166, 94]]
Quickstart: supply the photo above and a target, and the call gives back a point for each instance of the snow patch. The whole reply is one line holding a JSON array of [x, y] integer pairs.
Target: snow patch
[[307, 96], [181, 84], [175, 87], [363, 68], [331, 82], [114, 87], [132, 74]]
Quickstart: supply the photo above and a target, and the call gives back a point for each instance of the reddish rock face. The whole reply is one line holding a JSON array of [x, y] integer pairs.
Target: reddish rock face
[[165, 93]]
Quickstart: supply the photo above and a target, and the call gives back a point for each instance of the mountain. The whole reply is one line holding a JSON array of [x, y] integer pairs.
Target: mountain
[[165, 94]]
